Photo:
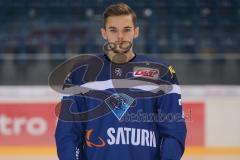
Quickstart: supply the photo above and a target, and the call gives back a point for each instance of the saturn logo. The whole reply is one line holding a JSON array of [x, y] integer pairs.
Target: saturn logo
[[91, 144]]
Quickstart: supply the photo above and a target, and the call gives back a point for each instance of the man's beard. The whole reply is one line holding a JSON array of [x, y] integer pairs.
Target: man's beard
[[120, 50]]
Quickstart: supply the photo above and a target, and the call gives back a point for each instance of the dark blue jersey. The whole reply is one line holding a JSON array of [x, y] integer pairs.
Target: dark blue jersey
[[128, 111]]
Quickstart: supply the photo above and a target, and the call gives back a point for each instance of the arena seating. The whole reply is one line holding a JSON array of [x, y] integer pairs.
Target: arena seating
[[167, 26]]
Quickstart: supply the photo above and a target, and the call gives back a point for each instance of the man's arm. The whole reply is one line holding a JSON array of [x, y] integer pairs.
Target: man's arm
[[68, 135], [172, 128]]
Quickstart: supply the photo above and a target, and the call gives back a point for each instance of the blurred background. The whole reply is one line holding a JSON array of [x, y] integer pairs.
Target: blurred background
[[200, 38]]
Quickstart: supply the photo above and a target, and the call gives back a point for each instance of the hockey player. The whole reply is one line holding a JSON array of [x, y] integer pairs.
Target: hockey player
[[125, 84]]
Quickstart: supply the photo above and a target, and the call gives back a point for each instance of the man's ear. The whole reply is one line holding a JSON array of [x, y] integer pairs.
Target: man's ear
[[136, 32], [104, 34]]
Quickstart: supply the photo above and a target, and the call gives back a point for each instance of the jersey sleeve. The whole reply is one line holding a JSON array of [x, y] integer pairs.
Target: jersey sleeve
[[69, 132], [172, 127]]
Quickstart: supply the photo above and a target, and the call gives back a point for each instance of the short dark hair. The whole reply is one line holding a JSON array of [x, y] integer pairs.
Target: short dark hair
[[119, 9]]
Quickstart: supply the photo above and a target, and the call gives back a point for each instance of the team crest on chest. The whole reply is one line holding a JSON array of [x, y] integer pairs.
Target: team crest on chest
[[119, 103]]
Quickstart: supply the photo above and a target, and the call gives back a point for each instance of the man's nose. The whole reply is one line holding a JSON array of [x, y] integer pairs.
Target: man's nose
[[120, 35]]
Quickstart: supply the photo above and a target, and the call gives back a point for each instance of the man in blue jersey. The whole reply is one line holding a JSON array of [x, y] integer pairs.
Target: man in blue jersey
[[128, 106]]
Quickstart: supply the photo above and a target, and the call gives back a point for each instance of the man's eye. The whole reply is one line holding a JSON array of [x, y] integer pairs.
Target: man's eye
[[113, 31], [127, 30]]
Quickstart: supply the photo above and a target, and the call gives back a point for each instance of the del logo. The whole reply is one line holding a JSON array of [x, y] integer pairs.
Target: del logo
[[146, 72], [122, 136]]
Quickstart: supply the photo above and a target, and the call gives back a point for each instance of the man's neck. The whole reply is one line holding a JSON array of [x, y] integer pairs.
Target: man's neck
[[120, 58]]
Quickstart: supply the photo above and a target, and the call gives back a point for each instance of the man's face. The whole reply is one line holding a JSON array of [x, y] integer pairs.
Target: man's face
[[119, 29]]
